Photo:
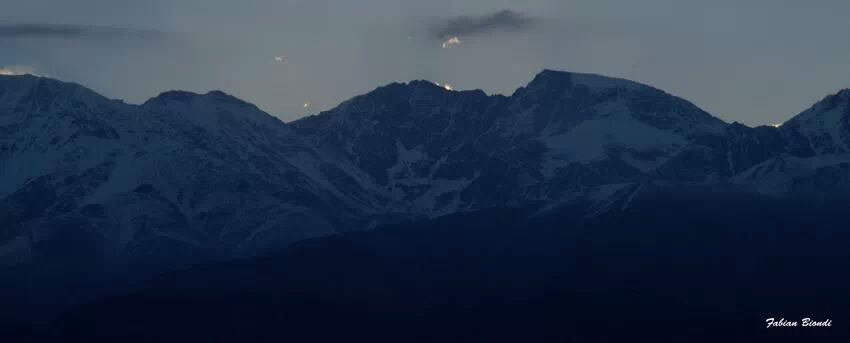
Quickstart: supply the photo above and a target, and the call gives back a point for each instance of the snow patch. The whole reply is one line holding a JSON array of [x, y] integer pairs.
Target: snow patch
[[591, 140]]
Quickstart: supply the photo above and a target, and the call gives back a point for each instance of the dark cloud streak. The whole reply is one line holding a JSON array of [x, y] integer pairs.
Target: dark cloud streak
[[504, 20], [33, 31]]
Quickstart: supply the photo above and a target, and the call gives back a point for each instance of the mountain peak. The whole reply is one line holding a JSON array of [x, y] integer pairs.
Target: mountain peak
[[215, 111], [174, 95], [424, 84], [398, 92], [13, 77], [421, 87], [46, 93], [30, 80], [187, 97], [826, 125], [839, 97], [826, 105], [560, 79]]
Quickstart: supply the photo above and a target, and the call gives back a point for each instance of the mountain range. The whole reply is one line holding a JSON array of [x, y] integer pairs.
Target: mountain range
[[97, 195]]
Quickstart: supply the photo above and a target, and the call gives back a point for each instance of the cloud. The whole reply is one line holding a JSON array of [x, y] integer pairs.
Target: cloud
[[504, 20], [30, 31], [451, 41]]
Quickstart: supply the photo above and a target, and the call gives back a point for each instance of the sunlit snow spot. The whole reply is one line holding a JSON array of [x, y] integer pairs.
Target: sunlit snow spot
[[11, 71]]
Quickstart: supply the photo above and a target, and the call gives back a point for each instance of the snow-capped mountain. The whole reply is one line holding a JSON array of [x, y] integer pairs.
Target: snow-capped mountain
[[809, 153], [181, 174], [567, 138], [187, 175], [564, 135]]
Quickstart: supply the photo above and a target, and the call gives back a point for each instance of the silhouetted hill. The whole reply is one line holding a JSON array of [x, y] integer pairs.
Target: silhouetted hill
[[694, 266]]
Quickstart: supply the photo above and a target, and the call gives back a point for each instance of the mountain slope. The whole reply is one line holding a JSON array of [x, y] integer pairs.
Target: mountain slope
[[438, 151], [808, 153], [96, 193], [567, 138], [666, 267], [222, 170], [110, 190]]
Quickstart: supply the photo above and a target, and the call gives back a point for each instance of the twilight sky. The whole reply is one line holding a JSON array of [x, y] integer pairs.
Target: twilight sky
[[753, 61]]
